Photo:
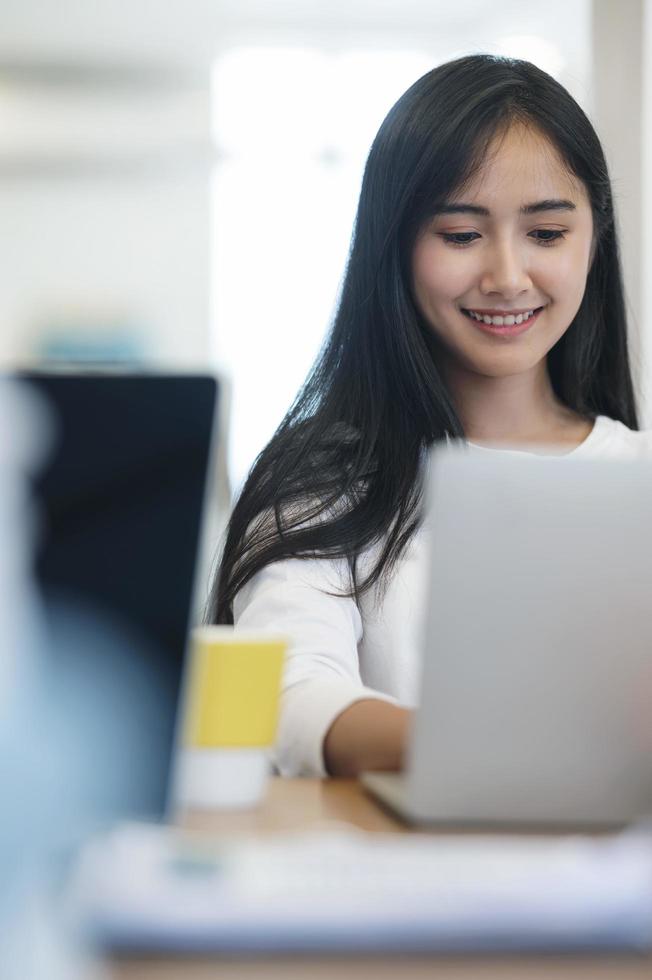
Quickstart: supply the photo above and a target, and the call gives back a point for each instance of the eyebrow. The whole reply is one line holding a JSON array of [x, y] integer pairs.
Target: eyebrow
[[551, 204]]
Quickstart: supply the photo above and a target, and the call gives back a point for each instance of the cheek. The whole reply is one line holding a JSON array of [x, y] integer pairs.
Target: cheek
[[564, 278], [438, 275]]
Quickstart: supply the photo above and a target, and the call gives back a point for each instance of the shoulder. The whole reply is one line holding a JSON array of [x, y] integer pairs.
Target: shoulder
[[611, 439], [304, 598]]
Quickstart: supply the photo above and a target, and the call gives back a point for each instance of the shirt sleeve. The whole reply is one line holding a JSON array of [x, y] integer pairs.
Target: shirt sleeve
[[322, 672]]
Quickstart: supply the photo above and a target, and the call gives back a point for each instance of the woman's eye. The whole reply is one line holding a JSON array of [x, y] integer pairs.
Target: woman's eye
[[546, 236], [460, 238]]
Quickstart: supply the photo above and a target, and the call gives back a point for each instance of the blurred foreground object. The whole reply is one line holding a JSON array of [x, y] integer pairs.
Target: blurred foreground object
[[33, 945], [145, 889], [122, 500], [232, 714], [93, 636], [94, 338]]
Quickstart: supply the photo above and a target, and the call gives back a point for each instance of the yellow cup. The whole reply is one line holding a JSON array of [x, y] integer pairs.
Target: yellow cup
[[230, 715]]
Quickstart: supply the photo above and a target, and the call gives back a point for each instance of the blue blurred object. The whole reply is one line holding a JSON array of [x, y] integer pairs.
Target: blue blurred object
[[102, 485], [120, 347], [31, 763], [23, 440]]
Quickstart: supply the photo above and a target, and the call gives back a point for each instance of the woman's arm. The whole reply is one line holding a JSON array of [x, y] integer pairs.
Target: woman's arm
[[369, 734], [321, 681]]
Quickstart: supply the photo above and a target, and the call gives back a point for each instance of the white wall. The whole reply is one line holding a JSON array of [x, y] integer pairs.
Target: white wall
[[620, 54], [105, 202], [107, 254], [645, 209]]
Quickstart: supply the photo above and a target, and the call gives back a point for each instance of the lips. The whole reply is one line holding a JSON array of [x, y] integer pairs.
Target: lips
[[493, 322], [500, 318]]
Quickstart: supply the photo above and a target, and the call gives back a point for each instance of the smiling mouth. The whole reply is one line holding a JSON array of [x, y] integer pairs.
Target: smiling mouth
[[503, 319]]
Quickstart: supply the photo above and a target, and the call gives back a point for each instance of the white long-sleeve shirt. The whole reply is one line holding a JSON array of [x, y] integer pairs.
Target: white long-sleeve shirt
[[342, 651]]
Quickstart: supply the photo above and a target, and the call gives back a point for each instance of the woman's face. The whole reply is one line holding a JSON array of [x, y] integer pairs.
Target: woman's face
[[500, 273]]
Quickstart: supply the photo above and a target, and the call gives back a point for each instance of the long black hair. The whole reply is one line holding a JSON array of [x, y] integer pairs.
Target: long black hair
[[342, 472]]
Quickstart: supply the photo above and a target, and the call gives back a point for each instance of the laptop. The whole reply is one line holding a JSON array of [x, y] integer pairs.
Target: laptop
[[119, 503], [536, 686]]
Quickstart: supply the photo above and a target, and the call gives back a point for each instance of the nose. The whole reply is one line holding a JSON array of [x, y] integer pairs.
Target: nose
[[505, 272]]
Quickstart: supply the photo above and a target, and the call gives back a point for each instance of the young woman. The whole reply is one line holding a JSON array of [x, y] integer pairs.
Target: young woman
[[482, 301]]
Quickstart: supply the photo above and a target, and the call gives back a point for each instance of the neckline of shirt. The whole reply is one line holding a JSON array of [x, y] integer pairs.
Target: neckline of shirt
[[600, 431]]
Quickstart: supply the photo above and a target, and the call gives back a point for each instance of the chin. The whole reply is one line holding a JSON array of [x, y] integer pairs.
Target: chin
[[503, 367]]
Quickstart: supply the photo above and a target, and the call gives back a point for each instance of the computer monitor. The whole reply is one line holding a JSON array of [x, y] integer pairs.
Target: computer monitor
[[119, 507]]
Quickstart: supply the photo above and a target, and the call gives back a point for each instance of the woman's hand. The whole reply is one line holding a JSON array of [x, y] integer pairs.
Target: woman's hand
[[370, 734]]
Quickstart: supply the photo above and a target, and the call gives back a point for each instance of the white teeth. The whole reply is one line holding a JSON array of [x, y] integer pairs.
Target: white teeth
[[499, 321]]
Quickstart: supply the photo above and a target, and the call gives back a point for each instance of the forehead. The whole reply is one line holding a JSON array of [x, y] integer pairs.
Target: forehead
[[521, 164]]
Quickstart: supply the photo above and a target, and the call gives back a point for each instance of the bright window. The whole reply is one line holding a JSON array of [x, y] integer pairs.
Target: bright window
[[292, 127]]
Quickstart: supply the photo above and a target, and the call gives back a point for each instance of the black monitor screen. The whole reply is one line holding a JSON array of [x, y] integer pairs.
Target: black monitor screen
[[120, 505]]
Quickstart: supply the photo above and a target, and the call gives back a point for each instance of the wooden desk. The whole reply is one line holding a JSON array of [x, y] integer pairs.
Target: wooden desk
[[300, 804]]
